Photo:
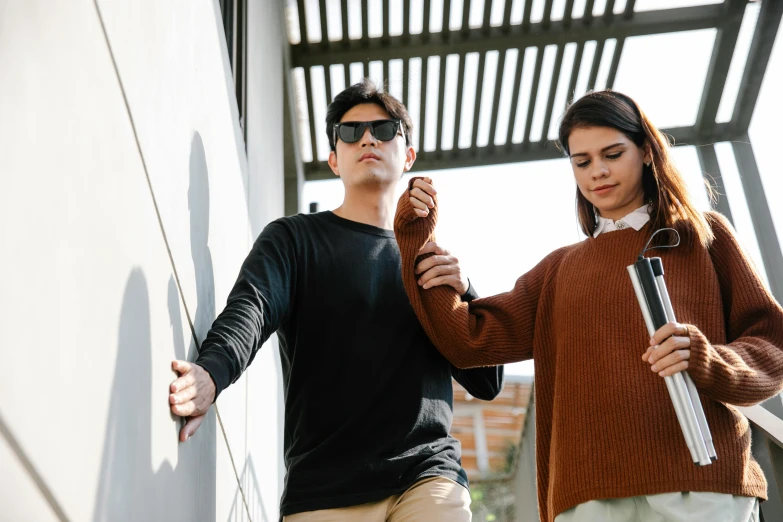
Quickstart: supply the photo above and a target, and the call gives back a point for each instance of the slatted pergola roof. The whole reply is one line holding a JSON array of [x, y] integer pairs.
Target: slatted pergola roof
[[488, 85]]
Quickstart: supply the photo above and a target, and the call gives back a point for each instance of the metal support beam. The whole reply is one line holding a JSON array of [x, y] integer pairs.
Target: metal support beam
[[515, 153], [501, 39], [711, 171], [758, 206], [722, 52], [758, 58]]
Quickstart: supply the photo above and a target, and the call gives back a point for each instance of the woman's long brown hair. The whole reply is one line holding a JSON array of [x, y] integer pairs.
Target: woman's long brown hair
[[664, 186]]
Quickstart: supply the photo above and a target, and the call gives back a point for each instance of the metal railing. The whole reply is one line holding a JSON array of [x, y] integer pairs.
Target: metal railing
[[766, 421], [767, 445]]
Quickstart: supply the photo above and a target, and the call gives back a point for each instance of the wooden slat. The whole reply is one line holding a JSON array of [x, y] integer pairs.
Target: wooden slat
[[487, 15], [609, 11], [344, 18], [493, 123], [328, 84], [446, 15], [618, 51], [526, 16], [477, 104], [425, 28], [599, 51], [547, 20], [406, 18], [515, 97], [457, 123], [580, 47], [552, 92], [405, 80], [629, 6], [533, 94], [385, 19], [309, 97], [567, 15], [322, 16], [365, 22], [302, 22], [423, 104], [507, 15], [441, 96], [587, 17], [466, 15]]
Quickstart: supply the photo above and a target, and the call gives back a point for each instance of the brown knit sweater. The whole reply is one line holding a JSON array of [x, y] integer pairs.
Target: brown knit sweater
[[605, 425]]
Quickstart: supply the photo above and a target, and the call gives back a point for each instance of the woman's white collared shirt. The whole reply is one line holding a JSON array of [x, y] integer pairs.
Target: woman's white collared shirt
[[636, 220]]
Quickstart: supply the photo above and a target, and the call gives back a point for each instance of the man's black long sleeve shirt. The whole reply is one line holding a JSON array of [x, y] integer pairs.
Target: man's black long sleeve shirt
[[368, 398]]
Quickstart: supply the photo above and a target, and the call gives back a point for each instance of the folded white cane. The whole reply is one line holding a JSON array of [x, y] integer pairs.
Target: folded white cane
[[650, 287]]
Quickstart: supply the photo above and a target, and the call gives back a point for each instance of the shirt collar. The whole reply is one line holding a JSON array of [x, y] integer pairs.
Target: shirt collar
[[636, 220]]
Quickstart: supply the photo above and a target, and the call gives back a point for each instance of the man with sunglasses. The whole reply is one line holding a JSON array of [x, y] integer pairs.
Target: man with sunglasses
[[368, 398]]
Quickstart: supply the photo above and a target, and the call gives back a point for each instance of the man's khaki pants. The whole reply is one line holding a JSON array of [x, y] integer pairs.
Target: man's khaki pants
[[434, 499]]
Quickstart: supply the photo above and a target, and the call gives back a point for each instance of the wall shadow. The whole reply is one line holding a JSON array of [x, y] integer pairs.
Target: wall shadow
[[129, 488], [198, 206]]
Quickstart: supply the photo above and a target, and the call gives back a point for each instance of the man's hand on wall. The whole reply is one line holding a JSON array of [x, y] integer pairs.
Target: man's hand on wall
[[192, 393]]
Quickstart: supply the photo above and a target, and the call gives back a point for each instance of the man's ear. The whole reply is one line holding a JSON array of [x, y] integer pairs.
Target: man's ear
[[410, 158], [333, 163]]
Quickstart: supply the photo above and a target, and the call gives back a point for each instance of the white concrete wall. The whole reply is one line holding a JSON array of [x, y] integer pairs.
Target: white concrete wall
[[127, 206]]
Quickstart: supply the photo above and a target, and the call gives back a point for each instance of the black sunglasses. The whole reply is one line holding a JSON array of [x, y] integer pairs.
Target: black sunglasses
[[352, 131]]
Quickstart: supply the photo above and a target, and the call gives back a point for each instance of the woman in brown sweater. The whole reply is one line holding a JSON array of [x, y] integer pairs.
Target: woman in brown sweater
[[608, 443]]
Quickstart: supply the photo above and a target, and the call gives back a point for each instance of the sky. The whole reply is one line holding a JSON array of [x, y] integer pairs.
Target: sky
[[502, 220]]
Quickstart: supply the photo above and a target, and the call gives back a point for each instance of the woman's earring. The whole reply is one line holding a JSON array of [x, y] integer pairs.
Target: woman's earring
[[648, 163]]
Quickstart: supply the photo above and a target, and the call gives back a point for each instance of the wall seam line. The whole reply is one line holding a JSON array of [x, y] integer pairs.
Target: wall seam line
[[31, 471], [165, 238]]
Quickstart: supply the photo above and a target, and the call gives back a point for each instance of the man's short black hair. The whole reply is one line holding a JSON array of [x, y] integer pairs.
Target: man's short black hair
[[366, 92]]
